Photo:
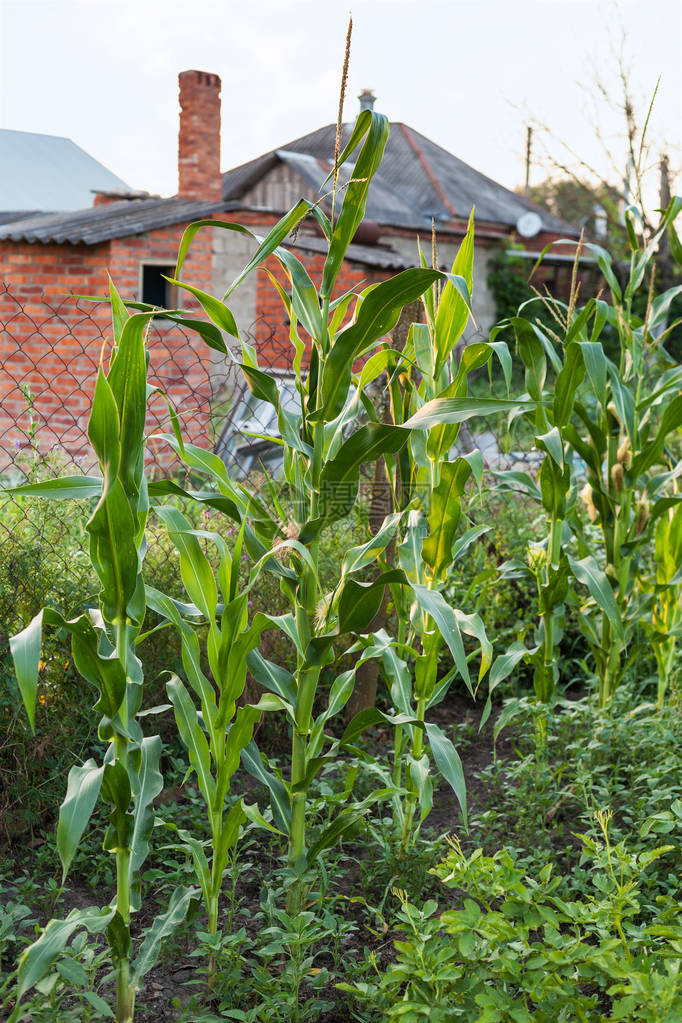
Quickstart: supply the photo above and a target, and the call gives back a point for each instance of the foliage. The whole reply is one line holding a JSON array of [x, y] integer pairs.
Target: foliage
[[103, 644], [615, 417], [517, 951]]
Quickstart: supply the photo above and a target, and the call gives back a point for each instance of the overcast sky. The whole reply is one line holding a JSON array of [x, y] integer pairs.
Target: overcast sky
[[466, 74]]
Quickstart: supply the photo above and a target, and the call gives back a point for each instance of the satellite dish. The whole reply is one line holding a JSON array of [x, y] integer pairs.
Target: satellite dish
[[529, 224]]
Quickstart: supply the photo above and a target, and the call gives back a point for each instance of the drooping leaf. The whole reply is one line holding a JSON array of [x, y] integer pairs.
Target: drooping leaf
[[588, 572], [82, 792], [457, 410], [339, 479], [448, 763], [162, 928], [444, 516]]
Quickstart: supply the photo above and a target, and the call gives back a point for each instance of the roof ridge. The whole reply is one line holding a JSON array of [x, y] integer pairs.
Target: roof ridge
[[435, 183]]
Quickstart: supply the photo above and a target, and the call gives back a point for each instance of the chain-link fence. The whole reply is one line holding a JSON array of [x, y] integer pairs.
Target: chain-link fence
[[49, 356]]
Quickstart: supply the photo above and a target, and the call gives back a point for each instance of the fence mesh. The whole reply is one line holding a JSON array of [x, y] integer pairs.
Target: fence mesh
[[49, 355]]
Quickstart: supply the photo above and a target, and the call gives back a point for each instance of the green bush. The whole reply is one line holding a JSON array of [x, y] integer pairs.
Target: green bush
[[515, 951]]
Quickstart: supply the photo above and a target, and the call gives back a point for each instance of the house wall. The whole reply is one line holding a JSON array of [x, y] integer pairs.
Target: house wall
[[51, 342], [48, 342], [280, 189]]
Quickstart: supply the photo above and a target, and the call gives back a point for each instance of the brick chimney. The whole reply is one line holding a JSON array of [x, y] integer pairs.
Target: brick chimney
[[199, 138]]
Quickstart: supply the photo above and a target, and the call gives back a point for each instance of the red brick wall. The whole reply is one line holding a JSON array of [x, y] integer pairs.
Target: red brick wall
[[51, 342]]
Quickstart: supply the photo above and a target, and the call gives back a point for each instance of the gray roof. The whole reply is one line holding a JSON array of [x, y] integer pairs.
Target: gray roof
[[47, 172], [112, 220], [417, 180], [369, 255]]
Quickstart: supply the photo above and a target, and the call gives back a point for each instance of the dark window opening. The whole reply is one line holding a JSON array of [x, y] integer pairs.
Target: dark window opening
[[155, 289]]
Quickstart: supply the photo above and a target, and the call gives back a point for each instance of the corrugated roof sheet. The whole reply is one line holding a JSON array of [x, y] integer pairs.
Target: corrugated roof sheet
[[48, 172], [417, 180], [112, 220]]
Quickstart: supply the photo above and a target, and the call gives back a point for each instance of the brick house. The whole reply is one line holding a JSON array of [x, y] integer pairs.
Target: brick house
[[48, 256]]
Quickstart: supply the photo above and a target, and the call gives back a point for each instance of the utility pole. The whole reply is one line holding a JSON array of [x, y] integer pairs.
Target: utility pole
[[529, 145]]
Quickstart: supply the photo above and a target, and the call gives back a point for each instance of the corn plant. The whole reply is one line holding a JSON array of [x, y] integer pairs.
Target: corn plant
[[215, 737], [428, 490], [666, 619], [324, 445], [104, 642], [616, 417]]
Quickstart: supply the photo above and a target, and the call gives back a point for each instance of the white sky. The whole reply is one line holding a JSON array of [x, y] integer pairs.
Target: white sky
[[466, 74]]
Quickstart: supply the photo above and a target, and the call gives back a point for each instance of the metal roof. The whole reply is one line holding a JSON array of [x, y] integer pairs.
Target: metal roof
[[47, 172], [112, 220], [417, 180]]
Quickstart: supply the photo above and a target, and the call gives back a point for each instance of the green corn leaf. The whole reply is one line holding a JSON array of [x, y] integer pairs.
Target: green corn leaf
[[421, 777], [116, 791], [165, 488], [567, 384], [305, 300], [216, 310], [272, 240], [453, 309], [272, 677], [377, 316], [409, 551], [623, 400], [366, 554], [595, 364], [196, 571], [501, 350], [113, 551], [104, 429], [202, 868], [588, 572], [420, 339], [444, 516], [64, 488], [515, 480], [239, 736], [190, 233], [331, 834], [339, 479], [373, 716], [119, 313], [359, 602], [192, 737], [551, 443], [448, 762], [128, 382], [146, 784], [82, 792], [339, 694], [457, 410], [355, 198], [464, 542], [25, 648], [472, 625], [502, 669], [162, 928], [360, 129], [280, 800], [198, 458], [39, 957], [652, 452], [433, 603], [227, 839]]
